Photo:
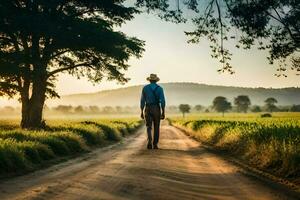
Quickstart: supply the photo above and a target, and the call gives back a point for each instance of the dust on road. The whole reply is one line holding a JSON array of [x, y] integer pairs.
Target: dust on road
[[180, 169]]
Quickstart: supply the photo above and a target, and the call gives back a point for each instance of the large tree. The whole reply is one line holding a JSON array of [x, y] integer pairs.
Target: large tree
[[220, 104], [184, 108], [41, 38], [242, 103], [270, 104], [271, 25]]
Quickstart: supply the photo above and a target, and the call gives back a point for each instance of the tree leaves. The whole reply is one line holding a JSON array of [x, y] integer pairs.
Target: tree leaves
[[268, 25], [42, 38]]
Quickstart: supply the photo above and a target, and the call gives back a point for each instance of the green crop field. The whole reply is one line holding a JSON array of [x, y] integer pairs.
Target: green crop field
[[25, 150], [270, 144]]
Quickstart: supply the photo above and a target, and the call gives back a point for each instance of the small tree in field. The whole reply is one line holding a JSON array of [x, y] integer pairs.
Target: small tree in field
[[270, 104], [295, 108], [78, 109], [63, 108], [184, 108], [242, 103], [256, 109], [39, 39], [198, 108], [119, 109], [108, 110], [94, 109], [220, 104], [172, 109]]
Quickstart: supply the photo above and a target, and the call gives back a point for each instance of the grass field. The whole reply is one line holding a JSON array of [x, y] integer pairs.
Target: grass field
[[270, 144], [25, 150]]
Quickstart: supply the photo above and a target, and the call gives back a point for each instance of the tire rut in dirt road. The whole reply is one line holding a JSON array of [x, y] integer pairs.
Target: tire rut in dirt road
[[180, 169]]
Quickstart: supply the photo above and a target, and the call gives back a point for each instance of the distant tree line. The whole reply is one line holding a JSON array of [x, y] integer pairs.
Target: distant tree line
[[69, 109], [241, 103]]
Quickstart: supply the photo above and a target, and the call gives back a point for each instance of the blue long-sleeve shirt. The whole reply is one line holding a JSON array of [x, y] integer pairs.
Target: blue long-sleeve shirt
[[148, 97]]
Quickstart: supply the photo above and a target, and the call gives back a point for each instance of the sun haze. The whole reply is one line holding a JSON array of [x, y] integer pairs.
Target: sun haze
[[168, 55]]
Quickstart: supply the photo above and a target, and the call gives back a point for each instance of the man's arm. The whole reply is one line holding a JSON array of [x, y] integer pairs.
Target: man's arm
[[142, 104], [162, 103]]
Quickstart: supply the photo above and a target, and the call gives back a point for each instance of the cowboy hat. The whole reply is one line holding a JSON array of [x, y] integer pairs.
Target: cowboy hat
[[152, 77]]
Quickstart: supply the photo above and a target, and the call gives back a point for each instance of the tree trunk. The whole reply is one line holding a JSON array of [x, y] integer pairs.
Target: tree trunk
[[32, 108], [33, 89], [32, 114]]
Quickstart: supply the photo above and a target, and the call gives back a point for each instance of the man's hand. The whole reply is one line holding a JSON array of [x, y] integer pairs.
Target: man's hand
[[142, 115], [162, 115]]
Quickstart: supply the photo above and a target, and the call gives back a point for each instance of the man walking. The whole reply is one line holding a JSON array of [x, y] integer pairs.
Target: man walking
[[153, 103]]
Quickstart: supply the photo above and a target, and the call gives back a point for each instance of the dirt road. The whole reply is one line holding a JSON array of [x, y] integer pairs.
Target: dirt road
[[180, 170]]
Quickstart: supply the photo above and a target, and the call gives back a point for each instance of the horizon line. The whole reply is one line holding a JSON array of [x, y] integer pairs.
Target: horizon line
[[185, 82]]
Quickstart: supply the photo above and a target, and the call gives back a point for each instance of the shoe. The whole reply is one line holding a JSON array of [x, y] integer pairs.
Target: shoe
[[155, 146], [149, 146]]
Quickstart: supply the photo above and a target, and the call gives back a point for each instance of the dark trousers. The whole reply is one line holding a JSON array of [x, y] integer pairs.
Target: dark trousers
[[152, 117]]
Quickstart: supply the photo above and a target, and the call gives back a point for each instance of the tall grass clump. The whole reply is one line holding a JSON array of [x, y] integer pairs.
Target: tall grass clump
[[23, 150], [111, 130], [12, 158], [56, 144], [92, 134], [35, 152]]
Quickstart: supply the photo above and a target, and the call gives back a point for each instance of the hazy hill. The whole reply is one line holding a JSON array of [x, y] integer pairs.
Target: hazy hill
[[177, 93]]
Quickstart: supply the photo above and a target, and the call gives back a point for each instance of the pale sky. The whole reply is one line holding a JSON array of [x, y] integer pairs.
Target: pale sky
[[168, 55]]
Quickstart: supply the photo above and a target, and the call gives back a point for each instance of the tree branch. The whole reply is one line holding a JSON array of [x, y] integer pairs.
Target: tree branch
[[221, 29], [16, 43], [14, 40], [68, 68], [58, 54], [46, 53], [85, 12], [280, 20], [208, 9]]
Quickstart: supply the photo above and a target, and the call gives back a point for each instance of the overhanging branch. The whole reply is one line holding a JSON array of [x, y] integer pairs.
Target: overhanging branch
[[68, 68], [58, 54]]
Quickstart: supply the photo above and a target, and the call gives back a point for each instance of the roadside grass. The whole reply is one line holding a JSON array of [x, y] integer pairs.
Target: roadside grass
[[238, 116], [271, 145], [26, 150]]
